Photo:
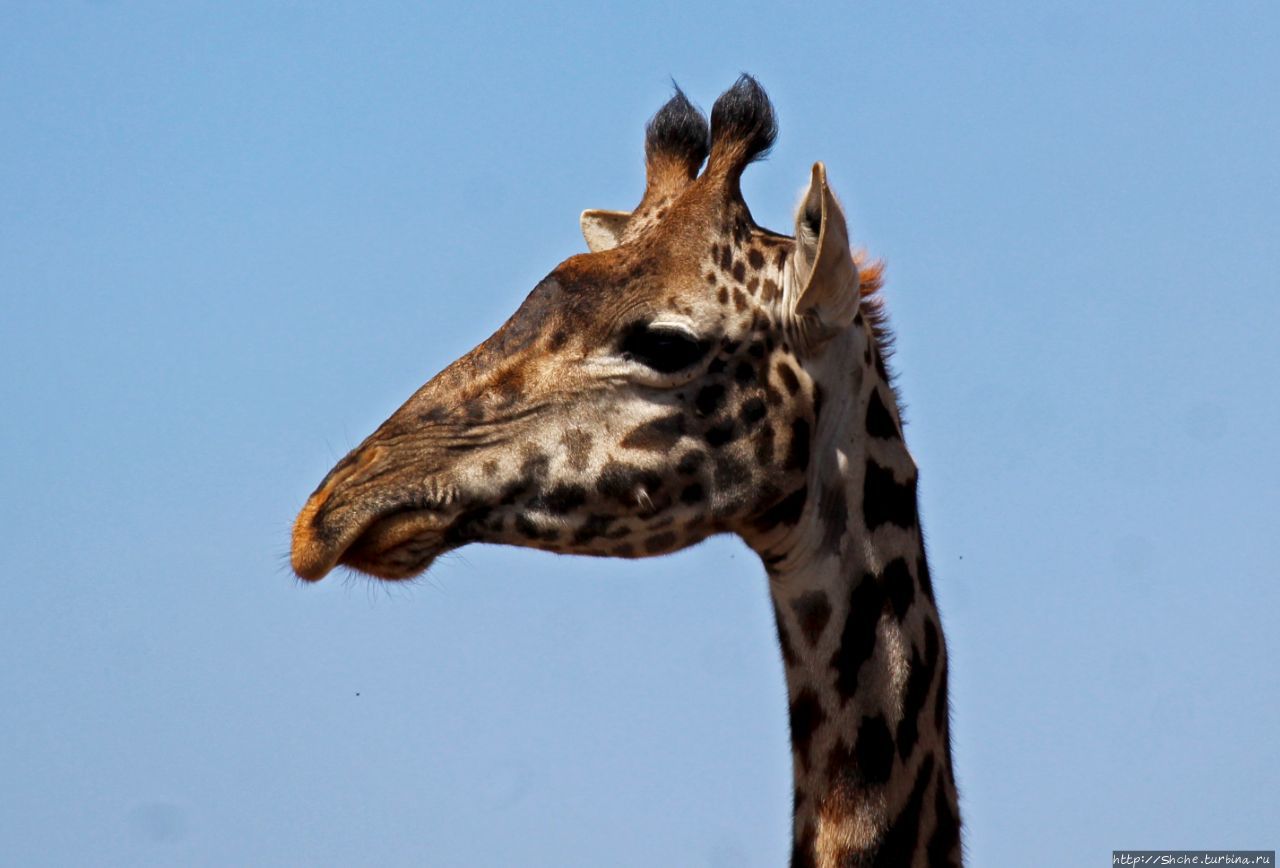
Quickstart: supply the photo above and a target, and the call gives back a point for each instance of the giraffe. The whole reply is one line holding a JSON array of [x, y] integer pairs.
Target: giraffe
[[696, 374]]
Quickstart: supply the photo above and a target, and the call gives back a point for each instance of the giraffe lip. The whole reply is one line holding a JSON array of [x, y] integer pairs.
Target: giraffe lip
[[396, 543], [399, 544]]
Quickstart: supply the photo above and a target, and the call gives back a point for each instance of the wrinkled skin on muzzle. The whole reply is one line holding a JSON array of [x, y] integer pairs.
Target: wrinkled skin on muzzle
[[450, 465]]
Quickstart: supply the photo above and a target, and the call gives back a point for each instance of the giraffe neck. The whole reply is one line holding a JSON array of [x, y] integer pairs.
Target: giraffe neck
[[862, 642]]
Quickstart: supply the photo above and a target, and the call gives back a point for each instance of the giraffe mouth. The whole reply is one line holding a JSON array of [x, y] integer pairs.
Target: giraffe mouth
[[395, 544]]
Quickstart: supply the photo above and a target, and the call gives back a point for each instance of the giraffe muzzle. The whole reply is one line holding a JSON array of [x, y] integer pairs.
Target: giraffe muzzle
[[345, 523]]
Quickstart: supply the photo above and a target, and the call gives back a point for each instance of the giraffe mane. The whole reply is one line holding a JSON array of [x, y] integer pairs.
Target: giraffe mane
[[870, 281]]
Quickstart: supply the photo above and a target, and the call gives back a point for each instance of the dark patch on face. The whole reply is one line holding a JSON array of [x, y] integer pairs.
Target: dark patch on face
[[944, 843], [577, 446], [806, 716], [624, 550], [899, 589], [595, 526], [786, 511], [692, 494], [885, 500], [656, 435], [756, 258], [720, 433], [739, 300], [769, 290], [753, 285], [622, 531], [756, 350], [833, 508], [722, 295], [514, 491], [467, 527], [780, 259], [508, 381], [690, 462], [535, 466], [858, 638], [798, 451], [739, 271], [490, 467], [717, 366], [660, 542], [874, 751], [730, 472], [764, 445], [709, 399], [898, 846], [766, 495], [788, 377], [751, 412], [557, 340], [620, 482], [813, 611], [527, 528], [431, 416], [729, 345], [879, 422], [561, 499], [744, 374], [710, 277]]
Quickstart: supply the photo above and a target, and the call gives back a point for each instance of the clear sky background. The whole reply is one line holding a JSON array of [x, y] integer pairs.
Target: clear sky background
[[234, 237]]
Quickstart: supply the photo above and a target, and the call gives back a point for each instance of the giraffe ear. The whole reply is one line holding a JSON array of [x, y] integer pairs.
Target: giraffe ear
[[825, 272], [603, 229]]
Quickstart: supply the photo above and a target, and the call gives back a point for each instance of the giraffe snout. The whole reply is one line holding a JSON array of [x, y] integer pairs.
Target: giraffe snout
[[318, 540]]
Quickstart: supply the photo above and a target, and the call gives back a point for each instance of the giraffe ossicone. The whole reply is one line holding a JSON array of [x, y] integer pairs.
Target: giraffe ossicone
[[696, 374]]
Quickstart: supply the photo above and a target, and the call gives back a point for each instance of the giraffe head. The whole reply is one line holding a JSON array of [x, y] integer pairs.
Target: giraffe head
[[660, 389]]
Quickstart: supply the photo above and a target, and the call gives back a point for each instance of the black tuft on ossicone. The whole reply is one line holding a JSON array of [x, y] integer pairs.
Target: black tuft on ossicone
[[678, 130], [743, 123]]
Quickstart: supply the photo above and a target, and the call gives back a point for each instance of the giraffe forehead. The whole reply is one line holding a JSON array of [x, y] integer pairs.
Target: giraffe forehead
[[603, 290]]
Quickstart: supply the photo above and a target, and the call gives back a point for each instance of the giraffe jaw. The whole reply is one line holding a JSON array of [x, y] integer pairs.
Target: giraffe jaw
[[397, 546], [391, 546]]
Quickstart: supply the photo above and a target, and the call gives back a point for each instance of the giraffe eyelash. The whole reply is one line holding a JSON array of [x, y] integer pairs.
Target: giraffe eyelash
[[664, 347]]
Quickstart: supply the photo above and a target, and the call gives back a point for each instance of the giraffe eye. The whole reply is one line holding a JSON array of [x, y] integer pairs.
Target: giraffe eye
[[666, 349]]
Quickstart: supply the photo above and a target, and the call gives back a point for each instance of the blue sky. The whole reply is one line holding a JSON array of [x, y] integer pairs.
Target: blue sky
[[234, 237]]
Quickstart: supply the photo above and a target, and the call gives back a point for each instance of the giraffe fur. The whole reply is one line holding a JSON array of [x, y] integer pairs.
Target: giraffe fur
[[697, 374]]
